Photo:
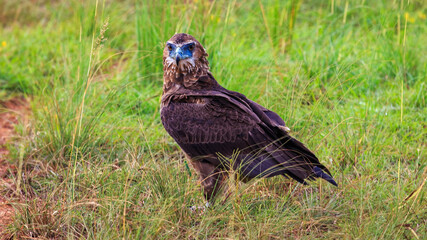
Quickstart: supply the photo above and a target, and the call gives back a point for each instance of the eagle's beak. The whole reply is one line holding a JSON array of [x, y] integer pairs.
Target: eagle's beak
[[178, 55]]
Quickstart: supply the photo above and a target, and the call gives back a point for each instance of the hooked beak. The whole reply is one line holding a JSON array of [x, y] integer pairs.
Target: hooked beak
[[178, 55]]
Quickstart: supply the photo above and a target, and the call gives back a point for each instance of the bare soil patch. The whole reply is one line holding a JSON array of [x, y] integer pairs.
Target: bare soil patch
[[12, 112]]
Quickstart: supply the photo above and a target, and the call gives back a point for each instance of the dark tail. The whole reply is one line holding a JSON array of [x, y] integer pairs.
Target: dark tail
[[321, 174], [307, 164]]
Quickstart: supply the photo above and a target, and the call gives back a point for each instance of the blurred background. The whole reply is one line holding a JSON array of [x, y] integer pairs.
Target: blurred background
[[93, 161]]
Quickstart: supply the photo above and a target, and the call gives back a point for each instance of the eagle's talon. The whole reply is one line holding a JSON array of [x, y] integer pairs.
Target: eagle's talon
[[201, 209]]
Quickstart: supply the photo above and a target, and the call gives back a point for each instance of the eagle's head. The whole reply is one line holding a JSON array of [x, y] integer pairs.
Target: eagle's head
[[184, 59]]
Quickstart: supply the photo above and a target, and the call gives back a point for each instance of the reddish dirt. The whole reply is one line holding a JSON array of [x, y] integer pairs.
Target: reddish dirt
[[12, 111]]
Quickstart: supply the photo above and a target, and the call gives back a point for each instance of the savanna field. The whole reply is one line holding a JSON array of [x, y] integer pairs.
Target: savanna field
[[93, 161]]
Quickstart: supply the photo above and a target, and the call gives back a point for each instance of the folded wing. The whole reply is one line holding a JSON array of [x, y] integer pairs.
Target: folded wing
[[230, 131]]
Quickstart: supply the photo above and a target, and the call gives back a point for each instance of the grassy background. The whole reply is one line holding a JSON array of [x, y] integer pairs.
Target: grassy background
[[348, 77]]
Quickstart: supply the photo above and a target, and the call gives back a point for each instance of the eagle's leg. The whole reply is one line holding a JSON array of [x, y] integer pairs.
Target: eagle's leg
[[211, 178]]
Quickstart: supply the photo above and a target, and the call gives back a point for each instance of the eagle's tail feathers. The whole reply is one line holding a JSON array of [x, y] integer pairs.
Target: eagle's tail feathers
[[321, 174]]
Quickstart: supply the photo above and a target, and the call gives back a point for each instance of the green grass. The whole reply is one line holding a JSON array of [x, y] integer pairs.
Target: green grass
[[348, 77]]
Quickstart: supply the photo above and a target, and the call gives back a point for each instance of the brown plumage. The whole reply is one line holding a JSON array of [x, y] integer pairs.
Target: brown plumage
[[213, 125]]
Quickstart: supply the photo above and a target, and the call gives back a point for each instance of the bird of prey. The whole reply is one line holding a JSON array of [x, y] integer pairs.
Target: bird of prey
[[219, 129]]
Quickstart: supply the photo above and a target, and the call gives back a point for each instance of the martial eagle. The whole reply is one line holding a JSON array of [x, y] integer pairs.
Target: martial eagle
[[219, 129]]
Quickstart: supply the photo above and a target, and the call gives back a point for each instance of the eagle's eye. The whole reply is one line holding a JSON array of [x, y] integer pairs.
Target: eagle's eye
[[170, 47], [191, 47]]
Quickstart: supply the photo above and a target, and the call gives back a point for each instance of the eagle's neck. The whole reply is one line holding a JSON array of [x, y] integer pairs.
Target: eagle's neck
[[178, 86], [187, 73]]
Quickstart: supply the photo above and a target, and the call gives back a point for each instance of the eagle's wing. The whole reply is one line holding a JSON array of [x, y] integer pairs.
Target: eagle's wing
[[245, 135], [276, 123]]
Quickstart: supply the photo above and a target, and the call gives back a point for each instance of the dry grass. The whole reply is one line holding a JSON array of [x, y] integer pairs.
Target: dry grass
[[348, 77]]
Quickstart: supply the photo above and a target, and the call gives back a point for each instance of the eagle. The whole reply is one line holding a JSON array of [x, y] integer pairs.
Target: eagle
[[220, 130]]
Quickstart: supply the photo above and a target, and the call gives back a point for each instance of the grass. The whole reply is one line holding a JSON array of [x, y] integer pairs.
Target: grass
[[348, 77]]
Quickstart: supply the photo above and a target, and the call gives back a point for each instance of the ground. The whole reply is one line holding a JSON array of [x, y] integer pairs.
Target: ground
[[12, 111], [348, 77]]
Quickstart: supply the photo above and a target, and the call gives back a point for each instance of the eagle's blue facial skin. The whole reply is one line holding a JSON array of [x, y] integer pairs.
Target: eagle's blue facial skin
[[180, 53]]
